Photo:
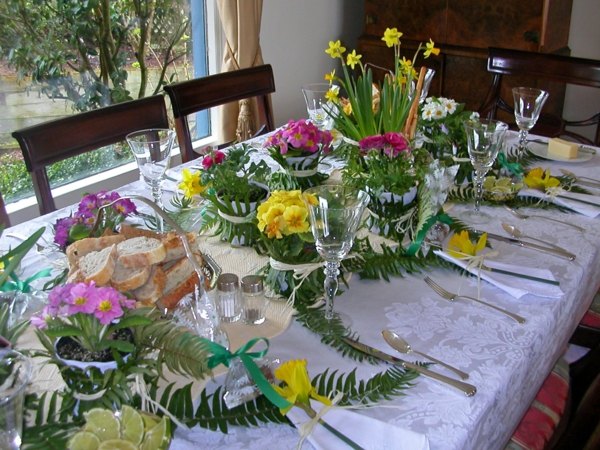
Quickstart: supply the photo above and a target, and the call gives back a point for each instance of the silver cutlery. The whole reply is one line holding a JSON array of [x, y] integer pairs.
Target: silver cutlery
[[468, 389], [452, 297], [522, 216], [578, 177], [399, 344], [517, 234], [549, 250], [579, 200]]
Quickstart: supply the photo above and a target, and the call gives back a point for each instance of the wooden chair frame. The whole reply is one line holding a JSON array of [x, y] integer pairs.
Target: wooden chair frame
[[204, 93], [544, 66], [4, 220], [64, 138]]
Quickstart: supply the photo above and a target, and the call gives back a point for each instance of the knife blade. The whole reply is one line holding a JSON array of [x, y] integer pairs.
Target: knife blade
[[566, 197], [525, 244], [468, 389]]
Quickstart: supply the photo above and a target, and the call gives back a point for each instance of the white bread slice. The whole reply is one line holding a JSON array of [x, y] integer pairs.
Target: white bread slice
[[87, 245], [128, 278], [141, 251], [181, 279], [170, 240], [130, 231], [99, 266], [151, 291]]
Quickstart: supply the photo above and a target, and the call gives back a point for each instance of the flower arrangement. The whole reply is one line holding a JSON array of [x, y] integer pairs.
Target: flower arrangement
[[10, 260], [286, 237], [298, 147], [80, 225], [540, 179], [368, 109]]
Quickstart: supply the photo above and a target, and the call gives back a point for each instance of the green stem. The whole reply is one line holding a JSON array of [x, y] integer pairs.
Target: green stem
[[312, 414]]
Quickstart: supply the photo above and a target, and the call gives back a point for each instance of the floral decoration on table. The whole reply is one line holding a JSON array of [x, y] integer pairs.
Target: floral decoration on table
[[233, 185], [298, 147], [80, 225], [10, 261]]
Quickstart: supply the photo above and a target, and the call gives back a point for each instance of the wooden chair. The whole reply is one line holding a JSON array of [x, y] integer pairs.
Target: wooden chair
[[200, 94], [4, 220], [542, 67], [64, 138]]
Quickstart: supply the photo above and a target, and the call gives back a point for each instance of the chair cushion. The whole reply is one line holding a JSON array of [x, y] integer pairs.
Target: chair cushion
[[592, 316], [541, 420]]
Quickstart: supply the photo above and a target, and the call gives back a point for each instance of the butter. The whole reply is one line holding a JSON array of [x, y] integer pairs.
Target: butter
[[562, 149]]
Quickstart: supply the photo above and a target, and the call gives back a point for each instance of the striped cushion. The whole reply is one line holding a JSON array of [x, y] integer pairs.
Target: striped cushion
[[541, 419], [592, 316]]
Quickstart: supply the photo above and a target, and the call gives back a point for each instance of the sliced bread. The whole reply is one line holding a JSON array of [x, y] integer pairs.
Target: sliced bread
[[141, 251], [152, 290], [174, 245], [128, 278], [181, 279], [98, 266], [87, 245]]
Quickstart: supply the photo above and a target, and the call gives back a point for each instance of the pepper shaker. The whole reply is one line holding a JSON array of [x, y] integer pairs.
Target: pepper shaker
[[229, 304], [255, 303]]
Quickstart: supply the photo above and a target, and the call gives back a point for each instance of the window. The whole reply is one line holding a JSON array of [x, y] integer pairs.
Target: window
[[63, 68]]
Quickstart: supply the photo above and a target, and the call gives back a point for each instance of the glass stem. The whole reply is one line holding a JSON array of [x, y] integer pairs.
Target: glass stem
[[523, 139], [157, 197], [331, 286], [479, 176]]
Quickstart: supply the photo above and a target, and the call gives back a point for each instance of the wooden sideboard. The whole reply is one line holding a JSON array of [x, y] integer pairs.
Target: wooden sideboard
[[464, 29]]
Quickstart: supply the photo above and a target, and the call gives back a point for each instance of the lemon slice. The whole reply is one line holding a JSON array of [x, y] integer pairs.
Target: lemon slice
[[103, 423], [158, 437], [150, 420], [117, 444], [84, 440], [132, 425]]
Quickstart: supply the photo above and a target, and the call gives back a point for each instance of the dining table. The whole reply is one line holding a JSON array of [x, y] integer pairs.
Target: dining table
[[506, 361]]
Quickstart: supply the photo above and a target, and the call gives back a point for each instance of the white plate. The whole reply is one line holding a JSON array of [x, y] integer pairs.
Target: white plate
[[541, 150]]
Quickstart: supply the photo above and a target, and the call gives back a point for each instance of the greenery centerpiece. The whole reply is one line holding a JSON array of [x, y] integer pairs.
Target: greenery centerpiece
[[234, 187], [298, 147]]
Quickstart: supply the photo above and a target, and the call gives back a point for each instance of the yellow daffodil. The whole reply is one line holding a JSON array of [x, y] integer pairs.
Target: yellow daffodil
[[191, 184], [335, 50], [352, 59], [430, 49], [539, 178], [330, 76], [346, 107], [460, 244], [406, 65], [297, 389], [332, 95], [296, 219], [391, 36]]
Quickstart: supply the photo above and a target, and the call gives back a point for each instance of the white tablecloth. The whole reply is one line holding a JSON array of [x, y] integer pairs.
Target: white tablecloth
[[506, 361]]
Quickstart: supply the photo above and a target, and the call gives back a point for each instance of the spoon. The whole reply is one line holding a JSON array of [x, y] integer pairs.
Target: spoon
[[522, 216], [399, 344], [516, 233], [591, 181]]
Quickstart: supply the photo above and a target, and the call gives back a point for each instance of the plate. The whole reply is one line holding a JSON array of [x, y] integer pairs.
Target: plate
[[541, 150]]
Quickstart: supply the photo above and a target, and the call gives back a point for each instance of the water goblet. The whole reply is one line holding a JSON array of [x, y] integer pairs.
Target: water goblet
[[335, 213], [152, 151], [528, 104], [15, 374], [316, 103], [485, 138]]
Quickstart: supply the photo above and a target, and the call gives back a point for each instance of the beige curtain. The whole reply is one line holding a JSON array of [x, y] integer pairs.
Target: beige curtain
[[241, 24]]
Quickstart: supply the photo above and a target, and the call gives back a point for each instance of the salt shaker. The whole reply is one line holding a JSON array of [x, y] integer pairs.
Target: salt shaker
[[228, 298], [254, 300]]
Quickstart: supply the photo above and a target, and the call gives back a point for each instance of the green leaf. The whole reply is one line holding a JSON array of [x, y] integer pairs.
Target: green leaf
[[13, 257]]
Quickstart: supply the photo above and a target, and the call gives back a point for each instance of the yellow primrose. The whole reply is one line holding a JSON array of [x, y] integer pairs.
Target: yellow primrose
[[335, 50], [297, 389], [296, 220], [430, 49], [330, 76], [311, 199], [352, 59], [460, 244], [539, 178], [191, 184], [270, 215], [391, 36]]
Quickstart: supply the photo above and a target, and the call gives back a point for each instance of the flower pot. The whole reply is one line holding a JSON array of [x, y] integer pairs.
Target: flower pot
[[305, 169], [387, 211]]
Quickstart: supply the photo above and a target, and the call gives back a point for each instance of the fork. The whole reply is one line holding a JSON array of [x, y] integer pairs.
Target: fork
[[526, 216], [451, 296]]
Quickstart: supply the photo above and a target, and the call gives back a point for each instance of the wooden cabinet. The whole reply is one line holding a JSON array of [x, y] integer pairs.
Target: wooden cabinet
[[464, 29]]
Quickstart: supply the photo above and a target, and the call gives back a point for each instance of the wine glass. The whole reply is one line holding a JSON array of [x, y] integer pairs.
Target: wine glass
[[335, 213], [152, 151], [528, 104], [316, 101], [485, 138]]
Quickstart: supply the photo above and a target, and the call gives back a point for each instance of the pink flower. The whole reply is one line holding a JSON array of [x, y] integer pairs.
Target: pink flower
[[40, 321], [83, 298], [108, 307], [219, 157], [375, 142], [396, 143], [300, 135]]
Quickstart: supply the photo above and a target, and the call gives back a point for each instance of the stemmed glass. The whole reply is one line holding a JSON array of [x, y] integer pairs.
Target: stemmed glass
[[485, 138], [316, 101], [528, 104], [335, 213], [152, 151]]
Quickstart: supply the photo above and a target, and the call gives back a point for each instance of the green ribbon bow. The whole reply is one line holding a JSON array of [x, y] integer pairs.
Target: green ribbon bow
[[220, 355], [414, 247], [515, 168], [23, 286]]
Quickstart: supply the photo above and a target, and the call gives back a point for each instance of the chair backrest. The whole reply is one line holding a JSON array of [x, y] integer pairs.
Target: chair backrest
[[191, 96], [4, 220], [70, 136], [542, 66]]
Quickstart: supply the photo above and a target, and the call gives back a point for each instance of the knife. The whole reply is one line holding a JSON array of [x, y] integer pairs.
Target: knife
[[467, 388], [553, 251], [579, 200]]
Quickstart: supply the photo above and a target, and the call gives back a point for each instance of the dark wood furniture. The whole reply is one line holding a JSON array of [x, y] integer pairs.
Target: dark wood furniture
[[4, 220], [64, 138], [464, 29], [191, 96], [506, 66]]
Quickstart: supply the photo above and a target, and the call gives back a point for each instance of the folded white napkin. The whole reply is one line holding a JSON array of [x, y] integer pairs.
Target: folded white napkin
[[369, 433], [508, 283], [581, 208]]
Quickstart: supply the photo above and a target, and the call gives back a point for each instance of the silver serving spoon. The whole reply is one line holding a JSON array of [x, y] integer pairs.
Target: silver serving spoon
[[590, 181], [516, 233], [399, 344]]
